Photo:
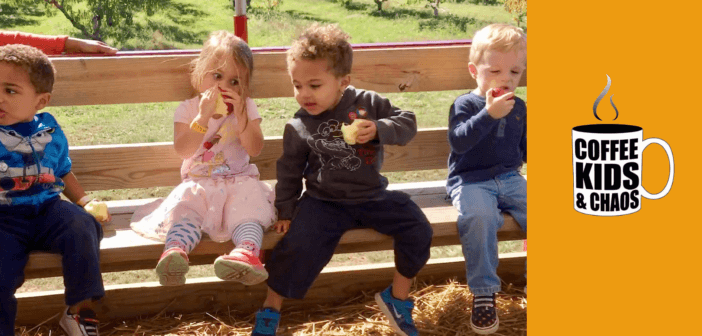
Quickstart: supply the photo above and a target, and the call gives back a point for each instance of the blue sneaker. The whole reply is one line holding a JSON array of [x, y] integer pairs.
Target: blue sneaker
[[399, 312], [266, 322]]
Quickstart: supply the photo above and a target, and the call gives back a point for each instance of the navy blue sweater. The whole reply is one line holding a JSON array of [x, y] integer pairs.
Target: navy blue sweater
[[483, 147]]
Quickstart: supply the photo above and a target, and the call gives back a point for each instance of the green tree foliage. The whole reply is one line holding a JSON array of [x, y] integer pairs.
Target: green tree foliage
[[101, 19], [380, 4], [518, 9], [434, 4]]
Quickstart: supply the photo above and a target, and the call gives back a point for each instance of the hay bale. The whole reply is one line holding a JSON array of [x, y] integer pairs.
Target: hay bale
[[440, 310]]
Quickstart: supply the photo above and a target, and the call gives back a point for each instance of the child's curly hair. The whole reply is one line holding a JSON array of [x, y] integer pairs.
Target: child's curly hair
[[324, 42], [34, 62], [498, 36]]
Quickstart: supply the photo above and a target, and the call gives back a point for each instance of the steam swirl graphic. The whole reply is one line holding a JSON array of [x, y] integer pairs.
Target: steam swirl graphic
[[602, 94]]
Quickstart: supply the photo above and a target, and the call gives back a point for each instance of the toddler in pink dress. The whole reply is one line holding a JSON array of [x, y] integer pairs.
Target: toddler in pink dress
[[221, 194]]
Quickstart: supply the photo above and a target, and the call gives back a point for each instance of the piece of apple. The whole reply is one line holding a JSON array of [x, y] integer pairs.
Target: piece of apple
[[350, 131], [221, 107], [498, 91], [97, 209]]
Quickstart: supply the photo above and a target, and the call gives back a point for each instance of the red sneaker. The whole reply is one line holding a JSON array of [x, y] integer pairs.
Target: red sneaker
[[241, 266], [172, 267]]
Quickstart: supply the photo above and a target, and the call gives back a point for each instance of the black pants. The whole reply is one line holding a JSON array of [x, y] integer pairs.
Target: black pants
[[318, 226], [58, 227]]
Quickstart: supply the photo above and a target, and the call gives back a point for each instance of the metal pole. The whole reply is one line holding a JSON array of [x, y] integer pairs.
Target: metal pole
[[240, 20]]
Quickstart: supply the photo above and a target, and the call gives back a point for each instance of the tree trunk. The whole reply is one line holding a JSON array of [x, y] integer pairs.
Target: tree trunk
[[76, 24], [435, 7]]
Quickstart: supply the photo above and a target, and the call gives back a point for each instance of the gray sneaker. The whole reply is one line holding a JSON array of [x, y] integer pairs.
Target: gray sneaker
[[82, 324]]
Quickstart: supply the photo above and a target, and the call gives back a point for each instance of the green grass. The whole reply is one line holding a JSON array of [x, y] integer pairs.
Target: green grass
[[115, 124], [186, 23]]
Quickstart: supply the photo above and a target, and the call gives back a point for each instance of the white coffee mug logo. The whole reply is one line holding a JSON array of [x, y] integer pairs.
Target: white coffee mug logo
[[607, 167]]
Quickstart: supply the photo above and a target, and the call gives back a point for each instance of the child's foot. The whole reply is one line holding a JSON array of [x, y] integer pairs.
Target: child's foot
[[242, 266], [267, 320], [484, 319], [172, 267], [399, 312], [82, 324]]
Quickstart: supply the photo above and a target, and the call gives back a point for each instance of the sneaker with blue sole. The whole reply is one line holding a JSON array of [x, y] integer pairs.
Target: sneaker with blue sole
[[399, 312], [267, 320]]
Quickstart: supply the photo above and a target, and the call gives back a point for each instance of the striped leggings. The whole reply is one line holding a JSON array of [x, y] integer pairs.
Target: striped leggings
[[187, 235]]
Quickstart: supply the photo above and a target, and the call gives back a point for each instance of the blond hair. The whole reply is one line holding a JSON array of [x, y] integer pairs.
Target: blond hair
[[34, 62], [499, 37], [327, 42], [218, 46]]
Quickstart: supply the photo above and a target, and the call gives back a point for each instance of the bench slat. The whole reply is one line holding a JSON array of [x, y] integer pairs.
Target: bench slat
[[334, 285], [142, 79], [156, 164], [122, 249]]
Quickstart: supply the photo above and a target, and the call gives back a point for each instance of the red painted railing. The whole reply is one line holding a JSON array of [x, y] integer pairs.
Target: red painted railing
[[382, 45]]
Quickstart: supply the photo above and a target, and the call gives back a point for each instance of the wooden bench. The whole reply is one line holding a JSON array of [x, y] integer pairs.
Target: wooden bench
[[158, 77]]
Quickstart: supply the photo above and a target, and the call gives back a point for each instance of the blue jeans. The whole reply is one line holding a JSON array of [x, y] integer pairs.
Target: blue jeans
[[58, 227], [480, 205]]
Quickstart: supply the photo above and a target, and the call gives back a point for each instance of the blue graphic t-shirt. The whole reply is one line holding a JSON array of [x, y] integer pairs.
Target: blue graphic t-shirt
[[33, 158]]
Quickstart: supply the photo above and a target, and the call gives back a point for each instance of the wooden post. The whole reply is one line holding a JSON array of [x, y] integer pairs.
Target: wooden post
[[240, 20]]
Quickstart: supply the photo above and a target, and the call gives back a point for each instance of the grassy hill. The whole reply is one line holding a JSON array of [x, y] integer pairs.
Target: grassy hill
[[183, 24]]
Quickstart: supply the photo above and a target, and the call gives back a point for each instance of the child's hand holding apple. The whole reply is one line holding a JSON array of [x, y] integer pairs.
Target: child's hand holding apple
[[98, 210]]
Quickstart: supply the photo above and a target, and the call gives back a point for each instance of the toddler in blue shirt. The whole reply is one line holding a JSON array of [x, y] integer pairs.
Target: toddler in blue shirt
[[487, 136]]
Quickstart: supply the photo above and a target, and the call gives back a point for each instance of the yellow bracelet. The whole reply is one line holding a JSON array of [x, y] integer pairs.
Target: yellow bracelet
[[197, 127]]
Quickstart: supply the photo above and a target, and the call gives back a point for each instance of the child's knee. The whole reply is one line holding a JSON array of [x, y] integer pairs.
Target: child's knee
[[414, 245], [479, 214], [423, 233], [482, 220]]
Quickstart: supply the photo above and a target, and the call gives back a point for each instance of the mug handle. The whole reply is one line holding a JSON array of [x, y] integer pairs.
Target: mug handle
[[668, 151]]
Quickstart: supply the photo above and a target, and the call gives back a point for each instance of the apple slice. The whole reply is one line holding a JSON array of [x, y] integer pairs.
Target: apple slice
[[221, 107], [498, 91], [350, 132], [97, 209]]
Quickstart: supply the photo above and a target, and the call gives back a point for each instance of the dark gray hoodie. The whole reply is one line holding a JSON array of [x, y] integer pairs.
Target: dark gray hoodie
[[314, 149]]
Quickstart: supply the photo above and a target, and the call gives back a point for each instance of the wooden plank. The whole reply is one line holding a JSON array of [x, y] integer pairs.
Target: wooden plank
[[156, 78], [122, 249], [334, 285], [156, 164], [121, 80]]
